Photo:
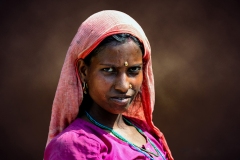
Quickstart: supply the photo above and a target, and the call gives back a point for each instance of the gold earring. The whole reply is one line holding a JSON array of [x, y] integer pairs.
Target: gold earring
[[130, 86], [85, 86], [126, 63]]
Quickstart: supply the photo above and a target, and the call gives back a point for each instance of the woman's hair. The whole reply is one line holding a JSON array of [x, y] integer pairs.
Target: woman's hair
[[115, 39]]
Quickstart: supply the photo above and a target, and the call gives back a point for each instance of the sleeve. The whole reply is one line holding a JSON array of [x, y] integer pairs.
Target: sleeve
[[72, 146]]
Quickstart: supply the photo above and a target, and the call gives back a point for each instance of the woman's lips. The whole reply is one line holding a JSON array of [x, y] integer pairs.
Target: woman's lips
[[121, 100]]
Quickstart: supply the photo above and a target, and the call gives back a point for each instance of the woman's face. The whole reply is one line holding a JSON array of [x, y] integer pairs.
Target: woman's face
[[110, 75]]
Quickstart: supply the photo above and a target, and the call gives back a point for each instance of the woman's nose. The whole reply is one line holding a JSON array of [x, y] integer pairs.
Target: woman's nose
[[122, 83]]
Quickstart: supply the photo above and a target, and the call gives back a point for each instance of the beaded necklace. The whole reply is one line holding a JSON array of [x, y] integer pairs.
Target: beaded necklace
[[139, 149]]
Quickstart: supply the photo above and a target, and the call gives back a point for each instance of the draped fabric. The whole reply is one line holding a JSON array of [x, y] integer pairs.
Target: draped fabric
[[69, 93]]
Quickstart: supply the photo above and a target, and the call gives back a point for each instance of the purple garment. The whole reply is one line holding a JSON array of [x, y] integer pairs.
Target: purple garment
[[82, 140]]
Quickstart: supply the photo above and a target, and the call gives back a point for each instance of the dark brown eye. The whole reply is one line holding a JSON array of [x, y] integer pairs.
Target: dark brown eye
[[134, 69], [110, 69]]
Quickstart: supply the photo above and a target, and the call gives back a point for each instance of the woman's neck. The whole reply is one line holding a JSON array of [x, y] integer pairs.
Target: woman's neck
[[106, 118]]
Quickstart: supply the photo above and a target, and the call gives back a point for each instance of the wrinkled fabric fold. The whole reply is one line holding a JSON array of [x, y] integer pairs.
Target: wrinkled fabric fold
[[69, 93]]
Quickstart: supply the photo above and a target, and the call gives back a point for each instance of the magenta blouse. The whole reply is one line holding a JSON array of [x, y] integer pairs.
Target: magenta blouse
[[82, 140]]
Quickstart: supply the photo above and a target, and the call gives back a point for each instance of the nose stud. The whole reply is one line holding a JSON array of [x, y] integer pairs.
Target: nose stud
[[125, 63], [130, 86]]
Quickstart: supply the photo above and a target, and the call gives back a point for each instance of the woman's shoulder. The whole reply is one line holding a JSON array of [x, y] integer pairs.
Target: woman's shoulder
[[78, 130], [77, 140]]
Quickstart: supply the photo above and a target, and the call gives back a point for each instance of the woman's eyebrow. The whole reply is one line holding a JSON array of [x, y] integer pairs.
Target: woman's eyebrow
[[107, 64], [137, 64], [114, 65]]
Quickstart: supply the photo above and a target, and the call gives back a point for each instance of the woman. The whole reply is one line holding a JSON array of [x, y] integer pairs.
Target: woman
[[105, 96]]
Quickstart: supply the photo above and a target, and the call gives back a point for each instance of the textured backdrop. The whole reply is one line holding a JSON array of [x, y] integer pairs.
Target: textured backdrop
[[195, 50]]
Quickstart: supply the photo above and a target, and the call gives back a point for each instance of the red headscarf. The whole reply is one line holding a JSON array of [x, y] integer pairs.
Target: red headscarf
[[69, 94]]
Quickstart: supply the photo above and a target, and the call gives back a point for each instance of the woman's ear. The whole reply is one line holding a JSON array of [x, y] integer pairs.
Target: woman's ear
[[82, 70]]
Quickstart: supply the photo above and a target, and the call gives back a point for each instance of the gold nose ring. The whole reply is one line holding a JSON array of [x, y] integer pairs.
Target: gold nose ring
[[126, 63], [130, 86]]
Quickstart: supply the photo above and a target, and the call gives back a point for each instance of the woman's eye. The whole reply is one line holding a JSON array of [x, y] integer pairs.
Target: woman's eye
[[108, 69], [134, 69]]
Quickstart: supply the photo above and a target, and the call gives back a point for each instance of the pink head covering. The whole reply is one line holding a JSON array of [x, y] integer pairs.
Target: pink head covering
[[69, 94]]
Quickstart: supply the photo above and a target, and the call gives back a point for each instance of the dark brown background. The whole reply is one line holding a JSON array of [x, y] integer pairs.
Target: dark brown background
[[195, 50]]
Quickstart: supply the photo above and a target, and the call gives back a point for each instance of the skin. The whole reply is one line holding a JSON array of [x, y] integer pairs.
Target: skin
[[108, 82]]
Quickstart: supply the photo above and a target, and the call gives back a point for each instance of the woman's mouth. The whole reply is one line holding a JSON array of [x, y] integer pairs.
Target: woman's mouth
[[121, 100]]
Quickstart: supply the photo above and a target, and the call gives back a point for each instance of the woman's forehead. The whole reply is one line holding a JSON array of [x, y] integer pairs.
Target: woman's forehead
[[118, 54]]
